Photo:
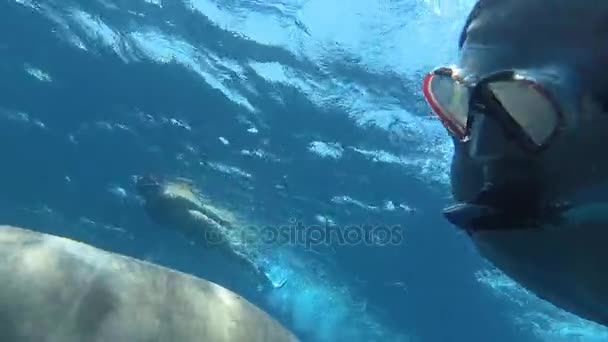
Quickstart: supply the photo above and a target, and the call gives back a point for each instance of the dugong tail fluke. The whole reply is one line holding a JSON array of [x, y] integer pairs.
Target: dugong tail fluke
[[57, 290]]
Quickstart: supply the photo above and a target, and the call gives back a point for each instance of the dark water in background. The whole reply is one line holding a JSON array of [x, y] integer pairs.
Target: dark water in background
[[70, 146]]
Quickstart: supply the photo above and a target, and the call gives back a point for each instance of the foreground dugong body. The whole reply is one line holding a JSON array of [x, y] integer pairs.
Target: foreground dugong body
[[56, 289]]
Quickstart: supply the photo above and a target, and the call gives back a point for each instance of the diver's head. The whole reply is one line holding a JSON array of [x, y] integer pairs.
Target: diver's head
[[148, 185], [502, 125], [523, 106]]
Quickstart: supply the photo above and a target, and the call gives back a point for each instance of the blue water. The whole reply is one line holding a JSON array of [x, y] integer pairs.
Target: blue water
[[277, 110]]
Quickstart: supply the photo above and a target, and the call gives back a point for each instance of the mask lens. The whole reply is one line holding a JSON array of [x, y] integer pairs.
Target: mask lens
[[449, 100], [529, 107]]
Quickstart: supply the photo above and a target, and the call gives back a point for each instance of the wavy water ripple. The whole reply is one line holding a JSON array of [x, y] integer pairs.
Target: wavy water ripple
[[298, 93]]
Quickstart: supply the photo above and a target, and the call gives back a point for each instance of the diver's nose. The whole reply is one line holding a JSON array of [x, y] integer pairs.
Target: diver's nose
[[489, 141]]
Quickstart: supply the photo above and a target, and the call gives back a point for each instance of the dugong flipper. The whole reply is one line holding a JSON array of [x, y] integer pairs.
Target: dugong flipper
[[59, 290]]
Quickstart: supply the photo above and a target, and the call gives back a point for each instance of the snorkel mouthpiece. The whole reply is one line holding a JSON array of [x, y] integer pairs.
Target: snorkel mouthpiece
[[469, 216], [508, 206]]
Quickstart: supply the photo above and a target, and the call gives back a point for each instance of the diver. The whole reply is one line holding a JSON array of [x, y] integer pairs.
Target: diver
[[175, 205], [518, 103], [526, 109]]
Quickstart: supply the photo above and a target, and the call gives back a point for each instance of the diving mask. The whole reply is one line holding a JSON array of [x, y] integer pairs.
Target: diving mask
[[523, 106]]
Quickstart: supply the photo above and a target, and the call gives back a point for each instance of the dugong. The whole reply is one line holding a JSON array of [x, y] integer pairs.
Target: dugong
[[54, 289], [177, 205]]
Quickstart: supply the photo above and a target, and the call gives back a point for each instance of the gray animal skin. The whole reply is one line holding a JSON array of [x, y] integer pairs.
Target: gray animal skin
[[563, 260], [58, 290]]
